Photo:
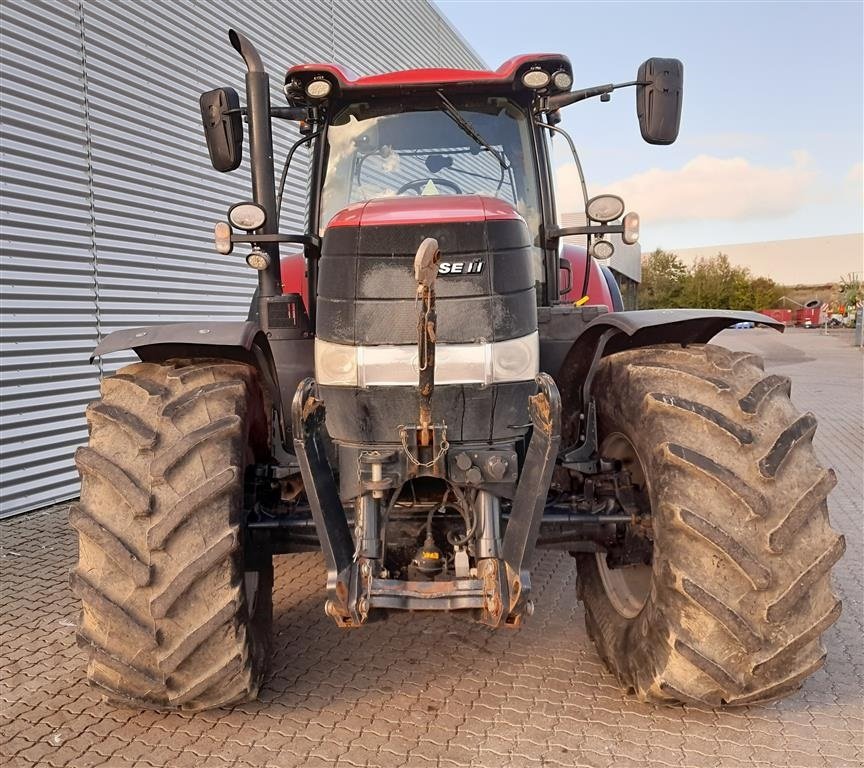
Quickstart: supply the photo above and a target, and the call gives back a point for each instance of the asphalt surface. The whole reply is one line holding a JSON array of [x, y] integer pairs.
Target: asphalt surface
[[438, 690]]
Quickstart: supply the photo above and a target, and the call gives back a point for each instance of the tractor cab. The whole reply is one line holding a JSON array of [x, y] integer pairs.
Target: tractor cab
[[444, 133]]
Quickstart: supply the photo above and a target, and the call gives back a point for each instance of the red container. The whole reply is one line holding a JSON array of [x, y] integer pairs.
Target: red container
[[780, 315], [807, 317]]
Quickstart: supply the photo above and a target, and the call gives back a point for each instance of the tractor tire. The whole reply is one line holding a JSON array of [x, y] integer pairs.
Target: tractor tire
[[175, 612], [732, 606]]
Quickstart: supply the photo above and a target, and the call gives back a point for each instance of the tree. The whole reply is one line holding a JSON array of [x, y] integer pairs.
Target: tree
[[663, 276], [710, 283], [851, 288], [765, 293]]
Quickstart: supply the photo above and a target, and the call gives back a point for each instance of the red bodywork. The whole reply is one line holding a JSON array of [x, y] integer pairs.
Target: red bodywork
[[598, 290], [411, 79], [417, 210], [399, 210], [294, 275]]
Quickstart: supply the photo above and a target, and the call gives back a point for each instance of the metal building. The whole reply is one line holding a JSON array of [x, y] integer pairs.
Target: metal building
[[107, 195]]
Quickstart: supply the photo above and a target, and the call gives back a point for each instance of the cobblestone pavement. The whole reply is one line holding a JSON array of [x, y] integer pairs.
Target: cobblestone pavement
[[438, 690]]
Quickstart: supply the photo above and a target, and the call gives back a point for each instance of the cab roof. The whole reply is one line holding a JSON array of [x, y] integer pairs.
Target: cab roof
[[346, 84]]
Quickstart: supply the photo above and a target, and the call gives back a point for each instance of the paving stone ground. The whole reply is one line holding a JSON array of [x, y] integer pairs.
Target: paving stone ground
[[438, 690]]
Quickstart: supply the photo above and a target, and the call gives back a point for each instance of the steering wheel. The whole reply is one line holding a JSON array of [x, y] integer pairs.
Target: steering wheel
[[420, 183]]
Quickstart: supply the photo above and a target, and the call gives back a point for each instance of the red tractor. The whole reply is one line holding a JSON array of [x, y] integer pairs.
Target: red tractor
[[411, 395]]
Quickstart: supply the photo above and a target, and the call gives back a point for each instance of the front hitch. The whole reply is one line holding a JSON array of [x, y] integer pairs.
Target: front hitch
[[425, 271], [529, 502]]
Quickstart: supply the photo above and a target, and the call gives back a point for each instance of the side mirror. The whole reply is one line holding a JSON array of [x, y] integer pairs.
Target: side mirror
[[223, 127], [658, 99]]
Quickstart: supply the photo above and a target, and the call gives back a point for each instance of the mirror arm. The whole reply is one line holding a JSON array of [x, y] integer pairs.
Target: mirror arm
[[586, 229], [311, 240], [551, 103], [589, 229], [289, 113]]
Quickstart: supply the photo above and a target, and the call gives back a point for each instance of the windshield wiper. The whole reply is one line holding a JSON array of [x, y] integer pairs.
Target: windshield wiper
[[456, 116]]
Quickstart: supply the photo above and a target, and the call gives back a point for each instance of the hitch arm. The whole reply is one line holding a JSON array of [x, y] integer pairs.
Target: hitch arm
[[530, 500], [307, 415]]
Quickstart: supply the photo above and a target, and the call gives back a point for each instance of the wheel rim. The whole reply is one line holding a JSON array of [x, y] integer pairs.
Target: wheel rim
[[627, 587]]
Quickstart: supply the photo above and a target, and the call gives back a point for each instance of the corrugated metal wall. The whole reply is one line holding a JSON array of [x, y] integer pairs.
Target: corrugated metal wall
[[108, 197]]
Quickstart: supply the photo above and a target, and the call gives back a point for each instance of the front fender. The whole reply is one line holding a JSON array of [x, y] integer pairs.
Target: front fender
[[241, 341], [617, 331], [646, 327]]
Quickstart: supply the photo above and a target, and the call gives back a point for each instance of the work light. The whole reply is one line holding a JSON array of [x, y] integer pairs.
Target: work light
[[258, 259], [318, 89], [604, 208], [602, 249], [535, 78], [562, 80], [247, 216]]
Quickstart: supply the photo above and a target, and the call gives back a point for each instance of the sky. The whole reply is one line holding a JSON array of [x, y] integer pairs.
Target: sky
[[772, 132]]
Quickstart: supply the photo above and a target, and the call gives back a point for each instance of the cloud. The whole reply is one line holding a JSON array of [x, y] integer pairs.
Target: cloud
[[709, 187], [729, 141]]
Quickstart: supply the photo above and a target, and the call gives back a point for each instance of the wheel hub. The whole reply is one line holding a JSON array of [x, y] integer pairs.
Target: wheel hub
[[628, 586]]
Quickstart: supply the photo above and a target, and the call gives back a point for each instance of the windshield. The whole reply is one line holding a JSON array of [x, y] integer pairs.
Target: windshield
[[381, 150]]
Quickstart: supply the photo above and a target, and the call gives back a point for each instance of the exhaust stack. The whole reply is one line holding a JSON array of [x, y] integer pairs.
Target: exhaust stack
[[261, 159]]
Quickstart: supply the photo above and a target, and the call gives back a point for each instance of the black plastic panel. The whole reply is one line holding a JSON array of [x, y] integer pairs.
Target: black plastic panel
[[472, 413], [366, 288]]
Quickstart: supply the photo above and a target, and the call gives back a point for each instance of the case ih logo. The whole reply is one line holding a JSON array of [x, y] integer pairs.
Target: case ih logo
[[460, 267]]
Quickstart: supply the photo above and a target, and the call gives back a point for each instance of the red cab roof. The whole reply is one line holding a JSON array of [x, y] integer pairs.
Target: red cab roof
[[347, 83]]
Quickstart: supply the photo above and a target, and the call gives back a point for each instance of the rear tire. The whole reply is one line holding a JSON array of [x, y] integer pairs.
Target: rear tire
[[172, 614], [738, 593]]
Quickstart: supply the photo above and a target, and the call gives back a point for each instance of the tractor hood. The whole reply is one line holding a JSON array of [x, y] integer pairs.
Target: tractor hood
[[366, 285], [486, 338], [419, 211]]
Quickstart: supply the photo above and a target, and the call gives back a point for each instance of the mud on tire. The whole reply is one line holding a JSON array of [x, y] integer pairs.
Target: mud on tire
[[171, 614], [739, 585]]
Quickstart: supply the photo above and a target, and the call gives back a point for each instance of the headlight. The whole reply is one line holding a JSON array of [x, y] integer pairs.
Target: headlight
[[604, 208], [602, 249], [222, 237], [247, 216], [396, 365], [535, 78], [516, 359], [318, 89], [335, 364], [631, 228]]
